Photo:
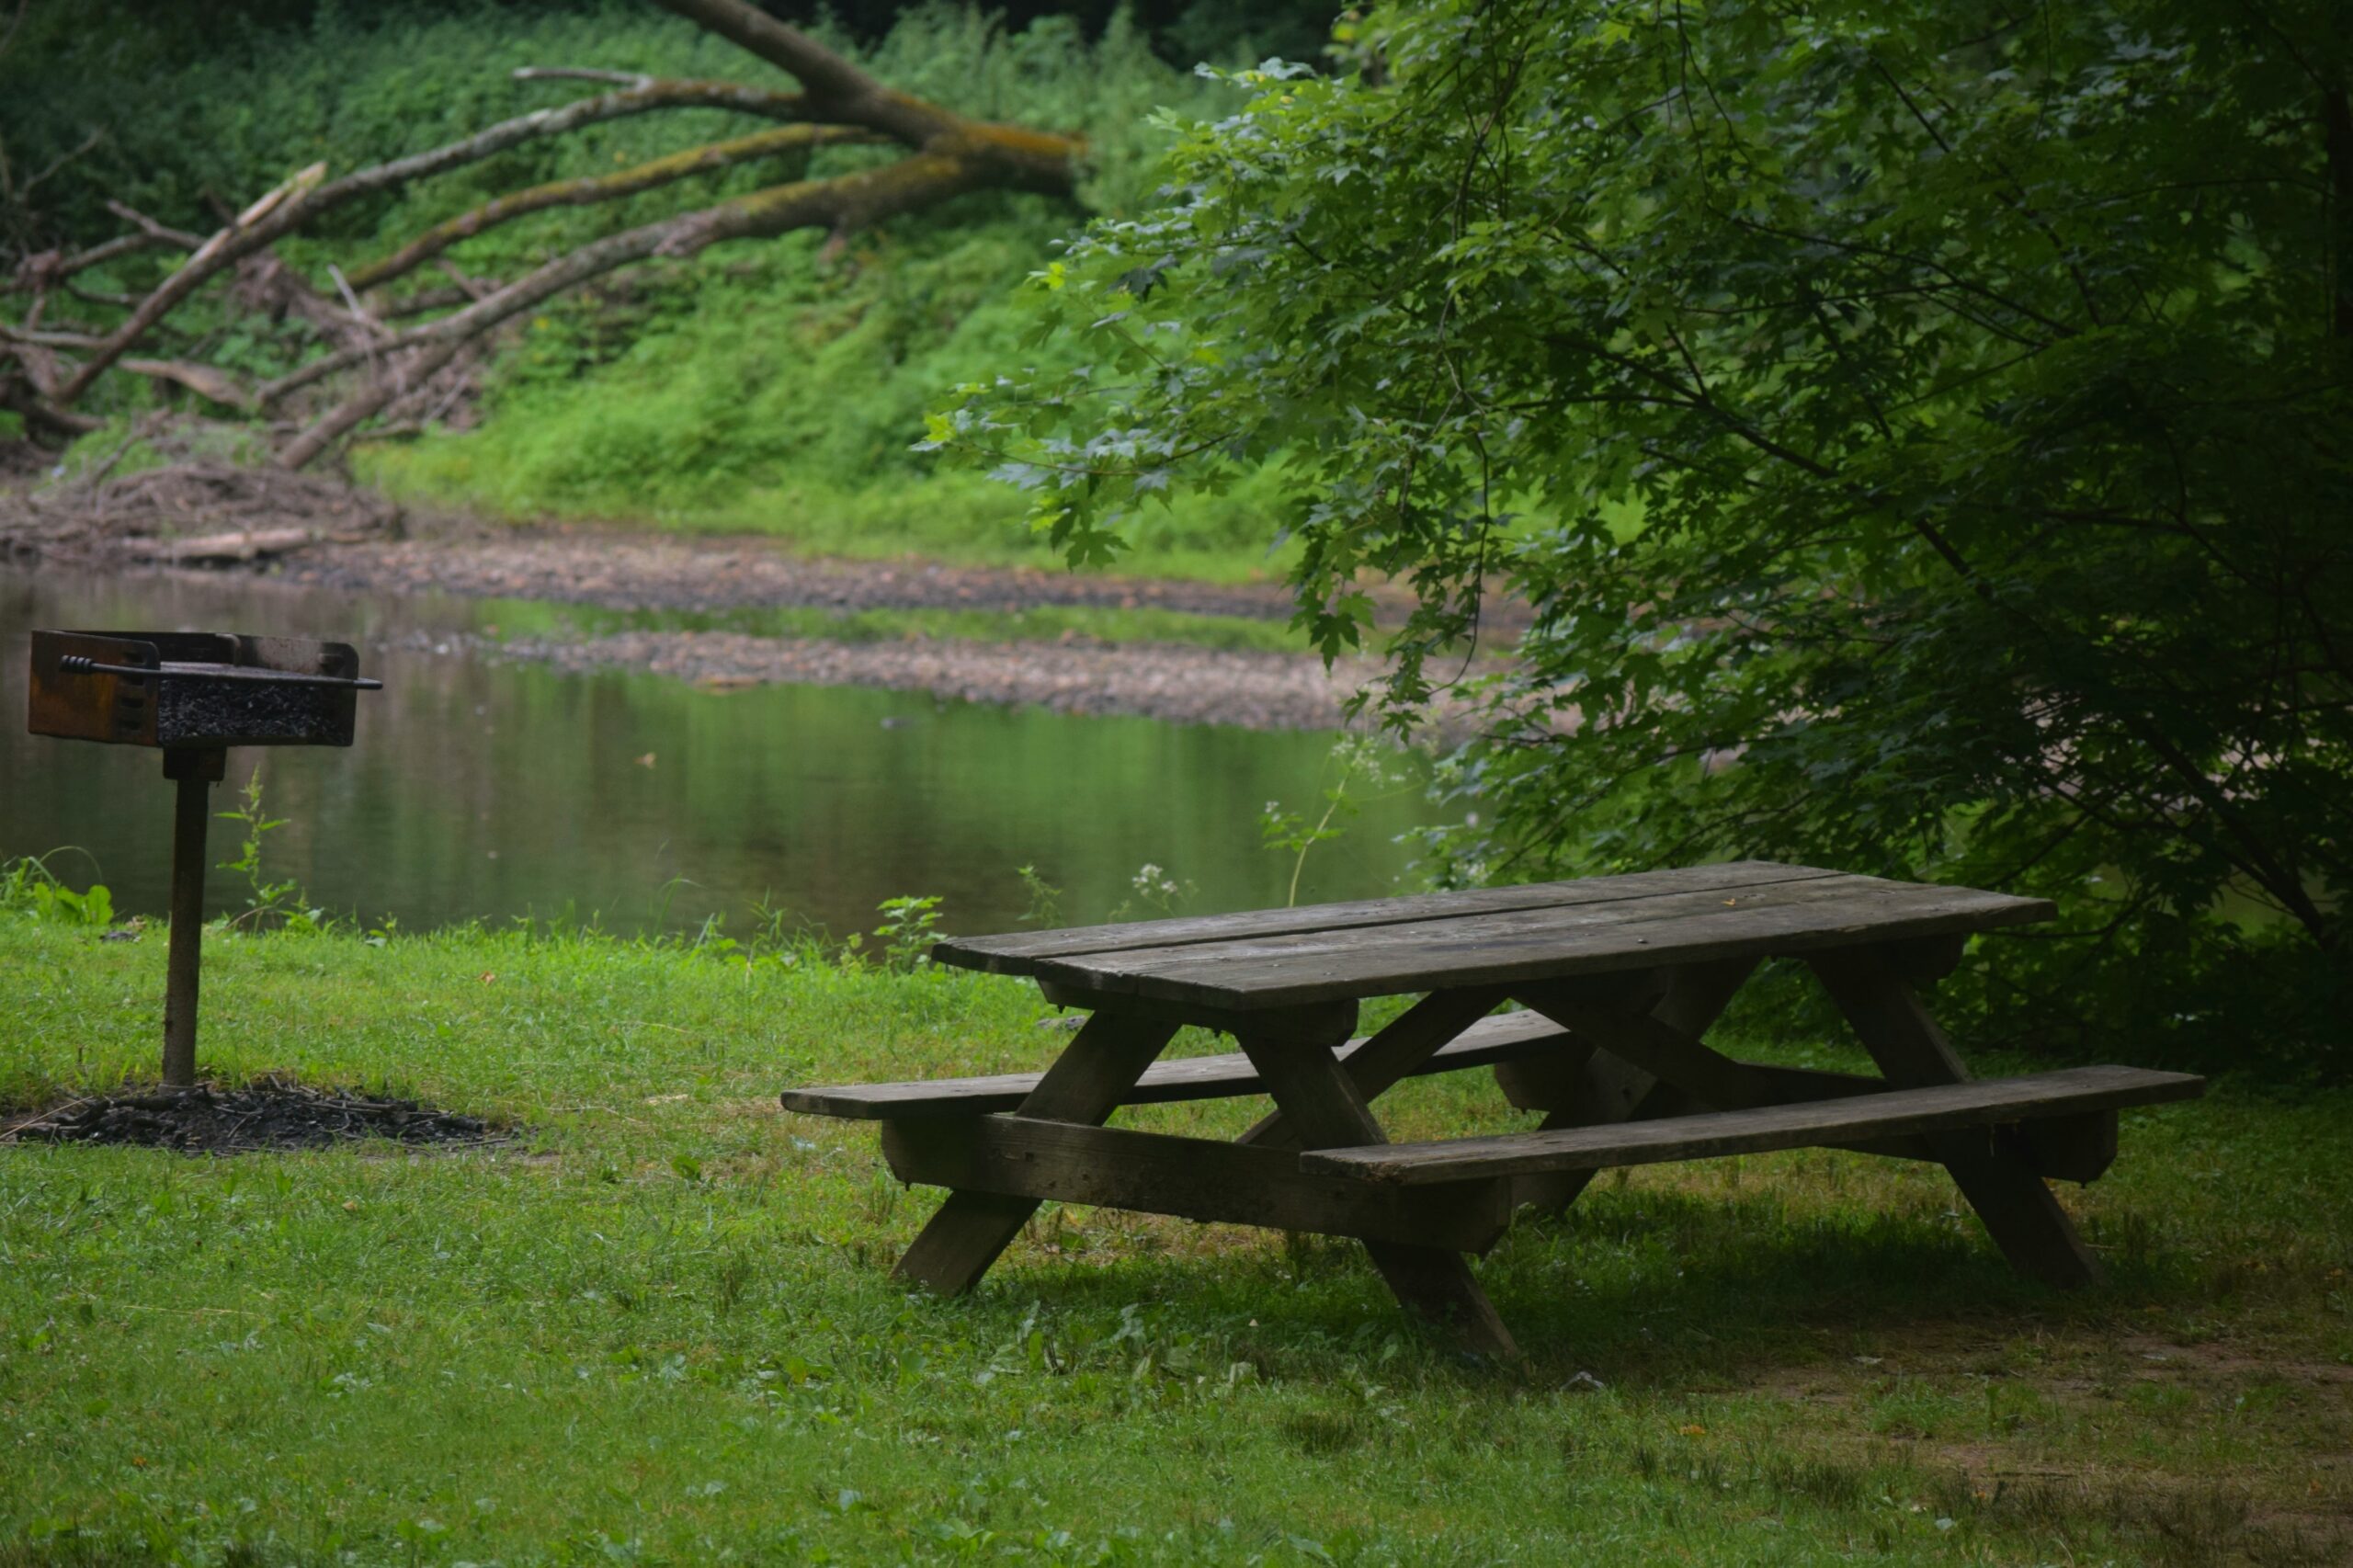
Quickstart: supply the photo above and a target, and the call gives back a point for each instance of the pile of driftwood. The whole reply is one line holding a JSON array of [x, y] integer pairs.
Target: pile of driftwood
[[194, 508]]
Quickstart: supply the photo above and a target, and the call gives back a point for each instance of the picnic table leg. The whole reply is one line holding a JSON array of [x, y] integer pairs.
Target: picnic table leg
[[1598, 1089], [2025, 1221], [1322, 1109], [1086, 1084]]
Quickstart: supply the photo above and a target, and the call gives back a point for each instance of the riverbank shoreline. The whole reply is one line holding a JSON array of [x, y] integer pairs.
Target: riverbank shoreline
[[672, 585]]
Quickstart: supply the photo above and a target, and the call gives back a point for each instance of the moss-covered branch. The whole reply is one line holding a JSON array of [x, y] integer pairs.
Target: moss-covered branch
[[606, 188]]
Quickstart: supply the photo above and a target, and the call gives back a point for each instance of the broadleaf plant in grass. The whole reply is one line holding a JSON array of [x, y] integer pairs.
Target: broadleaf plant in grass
[[1921, 432]]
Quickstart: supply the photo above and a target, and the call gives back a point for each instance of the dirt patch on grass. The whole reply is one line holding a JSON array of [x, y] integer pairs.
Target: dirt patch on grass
[[262, 1116]]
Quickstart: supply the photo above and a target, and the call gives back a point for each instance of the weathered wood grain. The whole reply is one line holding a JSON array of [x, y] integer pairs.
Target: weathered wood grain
[[1540, 944], [1335, 1015], [1014, 953], [2068, 1148], [1507, 1038], [1193, 1178], [1894, 1113]]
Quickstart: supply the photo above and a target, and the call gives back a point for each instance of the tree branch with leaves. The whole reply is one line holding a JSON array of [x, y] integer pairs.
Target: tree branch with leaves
[[1922, 436]]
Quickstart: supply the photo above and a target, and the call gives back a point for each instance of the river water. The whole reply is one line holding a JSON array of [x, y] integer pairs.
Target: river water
[[485, 789]]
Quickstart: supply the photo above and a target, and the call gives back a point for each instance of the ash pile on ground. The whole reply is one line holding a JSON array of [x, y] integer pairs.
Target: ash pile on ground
[[264, 1115]]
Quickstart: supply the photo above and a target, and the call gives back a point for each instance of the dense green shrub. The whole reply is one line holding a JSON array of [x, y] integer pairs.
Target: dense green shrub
[[1919, 430]]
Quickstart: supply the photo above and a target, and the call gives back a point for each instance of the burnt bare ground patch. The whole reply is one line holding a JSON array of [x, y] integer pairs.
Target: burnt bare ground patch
[[268, 1114]]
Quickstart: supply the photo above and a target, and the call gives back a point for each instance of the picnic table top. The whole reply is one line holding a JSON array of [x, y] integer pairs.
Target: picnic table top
[[1489, 936]]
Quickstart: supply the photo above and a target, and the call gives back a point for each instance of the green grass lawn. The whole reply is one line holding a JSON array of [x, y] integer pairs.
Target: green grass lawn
[[660, 1326]]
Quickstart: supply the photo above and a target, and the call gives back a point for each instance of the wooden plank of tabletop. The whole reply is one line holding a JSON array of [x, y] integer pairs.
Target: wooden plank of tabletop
[[1679, 928], [1017, 952]]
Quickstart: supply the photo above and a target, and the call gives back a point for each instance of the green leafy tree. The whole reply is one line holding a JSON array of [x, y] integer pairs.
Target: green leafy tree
[[1920, 429]]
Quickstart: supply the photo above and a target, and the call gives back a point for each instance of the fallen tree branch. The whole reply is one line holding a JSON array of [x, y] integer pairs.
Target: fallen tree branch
[[49, 339], [580, 74], [202, 380], [845, 202], [425, 299], [646, 176], [160, 232], [20, 400], [26, 189], [245, 545], [1038, 160], [239, 240], [47, 269], [101, 297], [844, 92], [839, 104]]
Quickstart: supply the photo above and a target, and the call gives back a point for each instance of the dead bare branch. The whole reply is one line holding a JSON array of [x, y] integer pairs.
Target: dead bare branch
[[161, 234], [202, 380], [846, 92], [842, 94], [474, 288], [21, 399], [579, 73], [58, 162], [47, 269], [48, 339], [425, 299], [101, 297]]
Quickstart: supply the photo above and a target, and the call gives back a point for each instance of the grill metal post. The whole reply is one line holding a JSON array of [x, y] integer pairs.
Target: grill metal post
[[193, 774]]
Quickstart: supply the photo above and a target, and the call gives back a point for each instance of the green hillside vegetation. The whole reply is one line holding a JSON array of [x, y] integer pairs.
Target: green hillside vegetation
[[769, 386]]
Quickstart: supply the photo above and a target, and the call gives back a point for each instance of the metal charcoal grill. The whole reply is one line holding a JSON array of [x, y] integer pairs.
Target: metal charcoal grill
[[192, 694]]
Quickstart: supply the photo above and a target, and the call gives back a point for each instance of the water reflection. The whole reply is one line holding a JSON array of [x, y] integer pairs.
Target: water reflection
[[486, 790]]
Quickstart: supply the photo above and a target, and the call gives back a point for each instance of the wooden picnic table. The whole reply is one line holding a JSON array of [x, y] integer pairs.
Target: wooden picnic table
[[1619, 978]]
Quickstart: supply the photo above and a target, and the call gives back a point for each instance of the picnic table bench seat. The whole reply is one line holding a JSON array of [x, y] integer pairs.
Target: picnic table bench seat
[[1948, 1107], [1505, 1038], [1619, 979]]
